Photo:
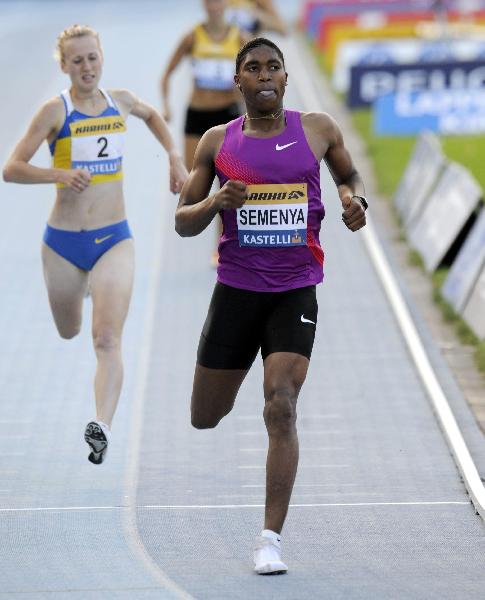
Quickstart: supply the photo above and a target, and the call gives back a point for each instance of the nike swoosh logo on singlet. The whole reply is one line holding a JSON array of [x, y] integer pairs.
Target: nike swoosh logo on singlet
[[278, 147], [103, 239]]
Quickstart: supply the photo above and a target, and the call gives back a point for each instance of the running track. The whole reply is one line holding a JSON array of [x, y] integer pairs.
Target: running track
[[379, 510]]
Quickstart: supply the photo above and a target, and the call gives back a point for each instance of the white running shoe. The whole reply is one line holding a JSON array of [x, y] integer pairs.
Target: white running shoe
[[97, 436], [267, 555]]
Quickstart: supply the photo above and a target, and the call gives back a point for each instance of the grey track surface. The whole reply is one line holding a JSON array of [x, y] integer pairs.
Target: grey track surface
[[389, 518]]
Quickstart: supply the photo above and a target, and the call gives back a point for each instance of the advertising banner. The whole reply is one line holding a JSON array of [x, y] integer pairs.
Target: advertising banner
[[466, 267], [377, 19], [474, 312], [401, 51], [447, 112], [422, 170], [449, 207], [369, 82], [319, 10]]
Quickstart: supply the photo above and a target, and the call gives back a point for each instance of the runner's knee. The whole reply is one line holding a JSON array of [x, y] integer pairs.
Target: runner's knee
[[105, 340], [67, 332], [280, 409], [201, 421]]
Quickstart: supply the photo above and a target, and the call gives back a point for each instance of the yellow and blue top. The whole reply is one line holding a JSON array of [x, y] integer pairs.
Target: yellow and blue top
[[93, 143], [213, 62]]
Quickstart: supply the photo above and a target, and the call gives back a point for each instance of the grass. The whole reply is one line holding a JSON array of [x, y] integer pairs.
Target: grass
[[462, 330], [390, 154]]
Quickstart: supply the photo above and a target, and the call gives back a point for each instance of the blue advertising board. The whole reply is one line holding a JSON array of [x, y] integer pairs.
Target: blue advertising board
[[368, 82], [447, 112]]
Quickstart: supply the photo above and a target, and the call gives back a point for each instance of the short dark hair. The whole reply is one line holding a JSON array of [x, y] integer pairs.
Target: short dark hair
[[256, 43]]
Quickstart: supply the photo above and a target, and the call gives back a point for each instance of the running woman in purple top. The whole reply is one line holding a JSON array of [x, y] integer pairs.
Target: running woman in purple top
[[268, 164]]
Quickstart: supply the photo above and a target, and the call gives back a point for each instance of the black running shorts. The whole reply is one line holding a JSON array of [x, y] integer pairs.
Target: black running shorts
[[240, 322], [198, 121]]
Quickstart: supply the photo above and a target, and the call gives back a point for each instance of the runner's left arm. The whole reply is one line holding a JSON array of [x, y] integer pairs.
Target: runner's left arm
[[270, 20], [347, 179], [159, 128]]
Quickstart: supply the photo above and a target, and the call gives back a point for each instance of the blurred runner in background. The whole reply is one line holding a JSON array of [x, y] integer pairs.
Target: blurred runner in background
[[212, 47]]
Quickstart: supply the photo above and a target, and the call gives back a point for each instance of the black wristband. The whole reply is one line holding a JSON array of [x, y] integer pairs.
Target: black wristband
[[363, 201]]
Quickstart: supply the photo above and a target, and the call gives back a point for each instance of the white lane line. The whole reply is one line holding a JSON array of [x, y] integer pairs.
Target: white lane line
[[305, 417], [312, 495], [59, 508], [302, 432], [302, 449], [310, 505], [437, 397], [260, 485], [231, 506], [11, 454], [129, 519], [330, 466]]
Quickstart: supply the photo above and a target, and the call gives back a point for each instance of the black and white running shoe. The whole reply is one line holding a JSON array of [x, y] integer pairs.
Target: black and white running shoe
[[97, 436]]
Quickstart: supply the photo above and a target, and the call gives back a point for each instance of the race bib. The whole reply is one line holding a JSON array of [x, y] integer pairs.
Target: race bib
[[97, 145], [274, 215], [214, 73]]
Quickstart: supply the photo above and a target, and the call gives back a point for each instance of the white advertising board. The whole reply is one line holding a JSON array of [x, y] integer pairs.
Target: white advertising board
[[400, 51], [474, 313], [466, 267], [422, 170], [452, 201]]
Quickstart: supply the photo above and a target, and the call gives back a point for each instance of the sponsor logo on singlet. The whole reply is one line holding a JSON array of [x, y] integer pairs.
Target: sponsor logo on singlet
[[97, 144], [274, 215]]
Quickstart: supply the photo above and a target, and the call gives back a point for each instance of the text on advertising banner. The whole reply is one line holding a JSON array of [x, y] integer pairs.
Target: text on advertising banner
[[447, 112], [367, 83], [401, 51]]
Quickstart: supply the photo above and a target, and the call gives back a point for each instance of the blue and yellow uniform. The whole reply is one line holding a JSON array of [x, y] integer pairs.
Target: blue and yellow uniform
[[92, 143], [212, 61], [96, 144], [213, 69]]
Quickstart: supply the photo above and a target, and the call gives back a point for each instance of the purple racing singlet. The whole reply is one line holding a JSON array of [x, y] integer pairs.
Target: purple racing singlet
[[271, 243]]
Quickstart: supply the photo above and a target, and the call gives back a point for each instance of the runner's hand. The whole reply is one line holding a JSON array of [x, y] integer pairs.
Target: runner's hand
[[178, 174], [75, 179], [233, 194], [353, 214]]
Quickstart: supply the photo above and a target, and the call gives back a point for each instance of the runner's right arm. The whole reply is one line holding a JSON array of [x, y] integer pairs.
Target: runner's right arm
[[44, 125], [183, 49], [196, 209]]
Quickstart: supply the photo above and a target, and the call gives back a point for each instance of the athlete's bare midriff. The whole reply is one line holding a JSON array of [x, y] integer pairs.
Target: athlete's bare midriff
[[201, 99], [99, 205]]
